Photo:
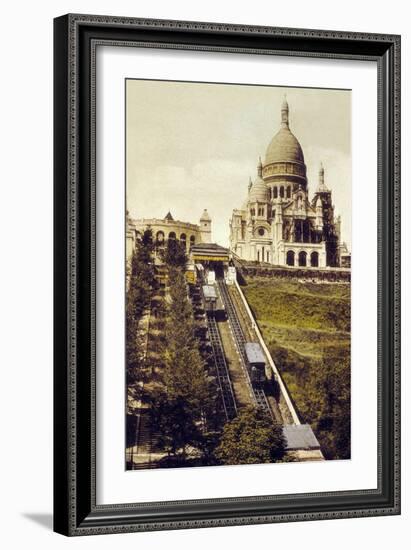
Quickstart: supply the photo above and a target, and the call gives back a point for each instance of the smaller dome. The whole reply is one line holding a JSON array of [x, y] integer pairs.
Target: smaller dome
[[205, 216], [259, 191]]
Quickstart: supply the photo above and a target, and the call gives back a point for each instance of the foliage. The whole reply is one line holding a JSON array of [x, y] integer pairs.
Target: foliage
[[141, 282], [174, 254], [184, 373], [251, 438], [181, 412], [174, 421], [330, 402]]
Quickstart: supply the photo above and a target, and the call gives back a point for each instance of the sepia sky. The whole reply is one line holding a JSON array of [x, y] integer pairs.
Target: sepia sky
[[192, 146]]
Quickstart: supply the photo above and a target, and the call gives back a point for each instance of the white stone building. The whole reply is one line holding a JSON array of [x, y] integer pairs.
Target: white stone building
[[278, 223]]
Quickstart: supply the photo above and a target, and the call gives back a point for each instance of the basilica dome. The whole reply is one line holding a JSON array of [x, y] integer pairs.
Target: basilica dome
[[259, 191], [284, 147]]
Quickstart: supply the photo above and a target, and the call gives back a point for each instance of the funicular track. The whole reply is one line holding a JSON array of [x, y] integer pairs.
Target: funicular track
[[227, 393], [258, 393]]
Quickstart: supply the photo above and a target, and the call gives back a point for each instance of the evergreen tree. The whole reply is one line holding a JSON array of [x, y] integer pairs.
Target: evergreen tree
[[138, 296], [184, 374], [177, 430], [180, 413], [174, 254]]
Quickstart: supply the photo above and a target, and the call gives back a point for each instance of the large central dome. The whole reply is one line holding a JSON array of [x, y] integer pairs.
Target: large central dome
[[284, 147]]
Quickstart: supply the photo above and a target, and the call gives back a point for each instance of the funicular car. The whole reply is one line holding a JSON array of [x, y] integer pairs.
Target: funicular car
[[256, 363]]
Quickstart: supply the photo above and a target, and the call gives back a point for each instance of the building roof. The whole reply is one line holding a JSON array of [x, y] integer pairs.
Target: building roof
[[254, 352], [169, 217], [284, 147], [200, 247], [300, 437], [209, 251]]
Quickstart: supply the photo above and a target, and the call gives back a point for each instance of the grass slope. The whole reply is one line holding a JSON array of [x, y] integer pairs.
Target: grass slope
[[307, 329]]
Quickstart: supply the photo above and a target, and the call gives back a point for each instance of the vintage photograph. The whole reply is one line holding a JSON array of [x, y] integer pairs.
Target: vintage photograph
[[238, 274]]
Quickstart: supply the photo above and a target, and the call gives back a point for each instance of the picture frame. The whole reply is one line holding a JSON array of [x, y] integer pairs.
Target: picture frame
[[76, 38]]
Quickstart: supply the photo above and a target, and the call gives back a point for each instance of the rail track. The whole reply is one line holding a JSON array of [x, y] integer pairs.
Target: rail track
[[223, 377], [259, 395]]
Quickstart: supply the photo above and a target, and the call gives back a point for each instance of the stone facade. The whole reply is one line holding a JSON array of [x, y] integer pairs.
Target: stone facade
[[168, 228], [278, 223]]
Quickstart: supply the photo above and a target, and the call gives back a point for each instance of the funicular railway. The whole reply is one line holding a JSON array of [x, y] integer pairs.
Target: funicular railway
[[258, 392], [243, 365], [235, 355], [223, 376], [212, 269]]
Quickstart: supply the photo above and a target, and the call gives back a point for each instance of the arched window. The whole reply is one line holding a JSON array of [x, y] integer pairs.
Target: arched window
[[275, 192], [159, 237], [192, 240], [282, 192], [183, 238], [288, 192], [290, 257], [314, 259], [302, 258], [172, 236]]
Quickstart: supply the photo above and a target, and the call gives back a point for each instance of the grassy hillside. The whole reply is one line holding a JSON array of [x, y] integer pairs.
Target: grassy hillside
[[307, 329]]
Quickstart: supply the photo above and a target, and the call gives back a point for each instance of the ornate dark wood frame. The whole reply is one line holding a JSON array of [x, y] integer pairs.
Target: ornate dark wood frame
[[76, 38]]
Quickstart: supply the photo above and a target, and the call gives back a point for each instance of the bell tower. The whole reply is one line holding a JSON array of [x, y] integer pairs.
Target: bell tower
[[205, 227]]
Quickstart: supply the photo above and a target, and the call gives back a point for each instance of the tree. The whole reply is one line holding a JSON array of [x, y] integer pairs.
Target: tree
[[176, 426], [329, 402], [181, 411], [175, 254], [138, 296], [184, 373], [251, 438]]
